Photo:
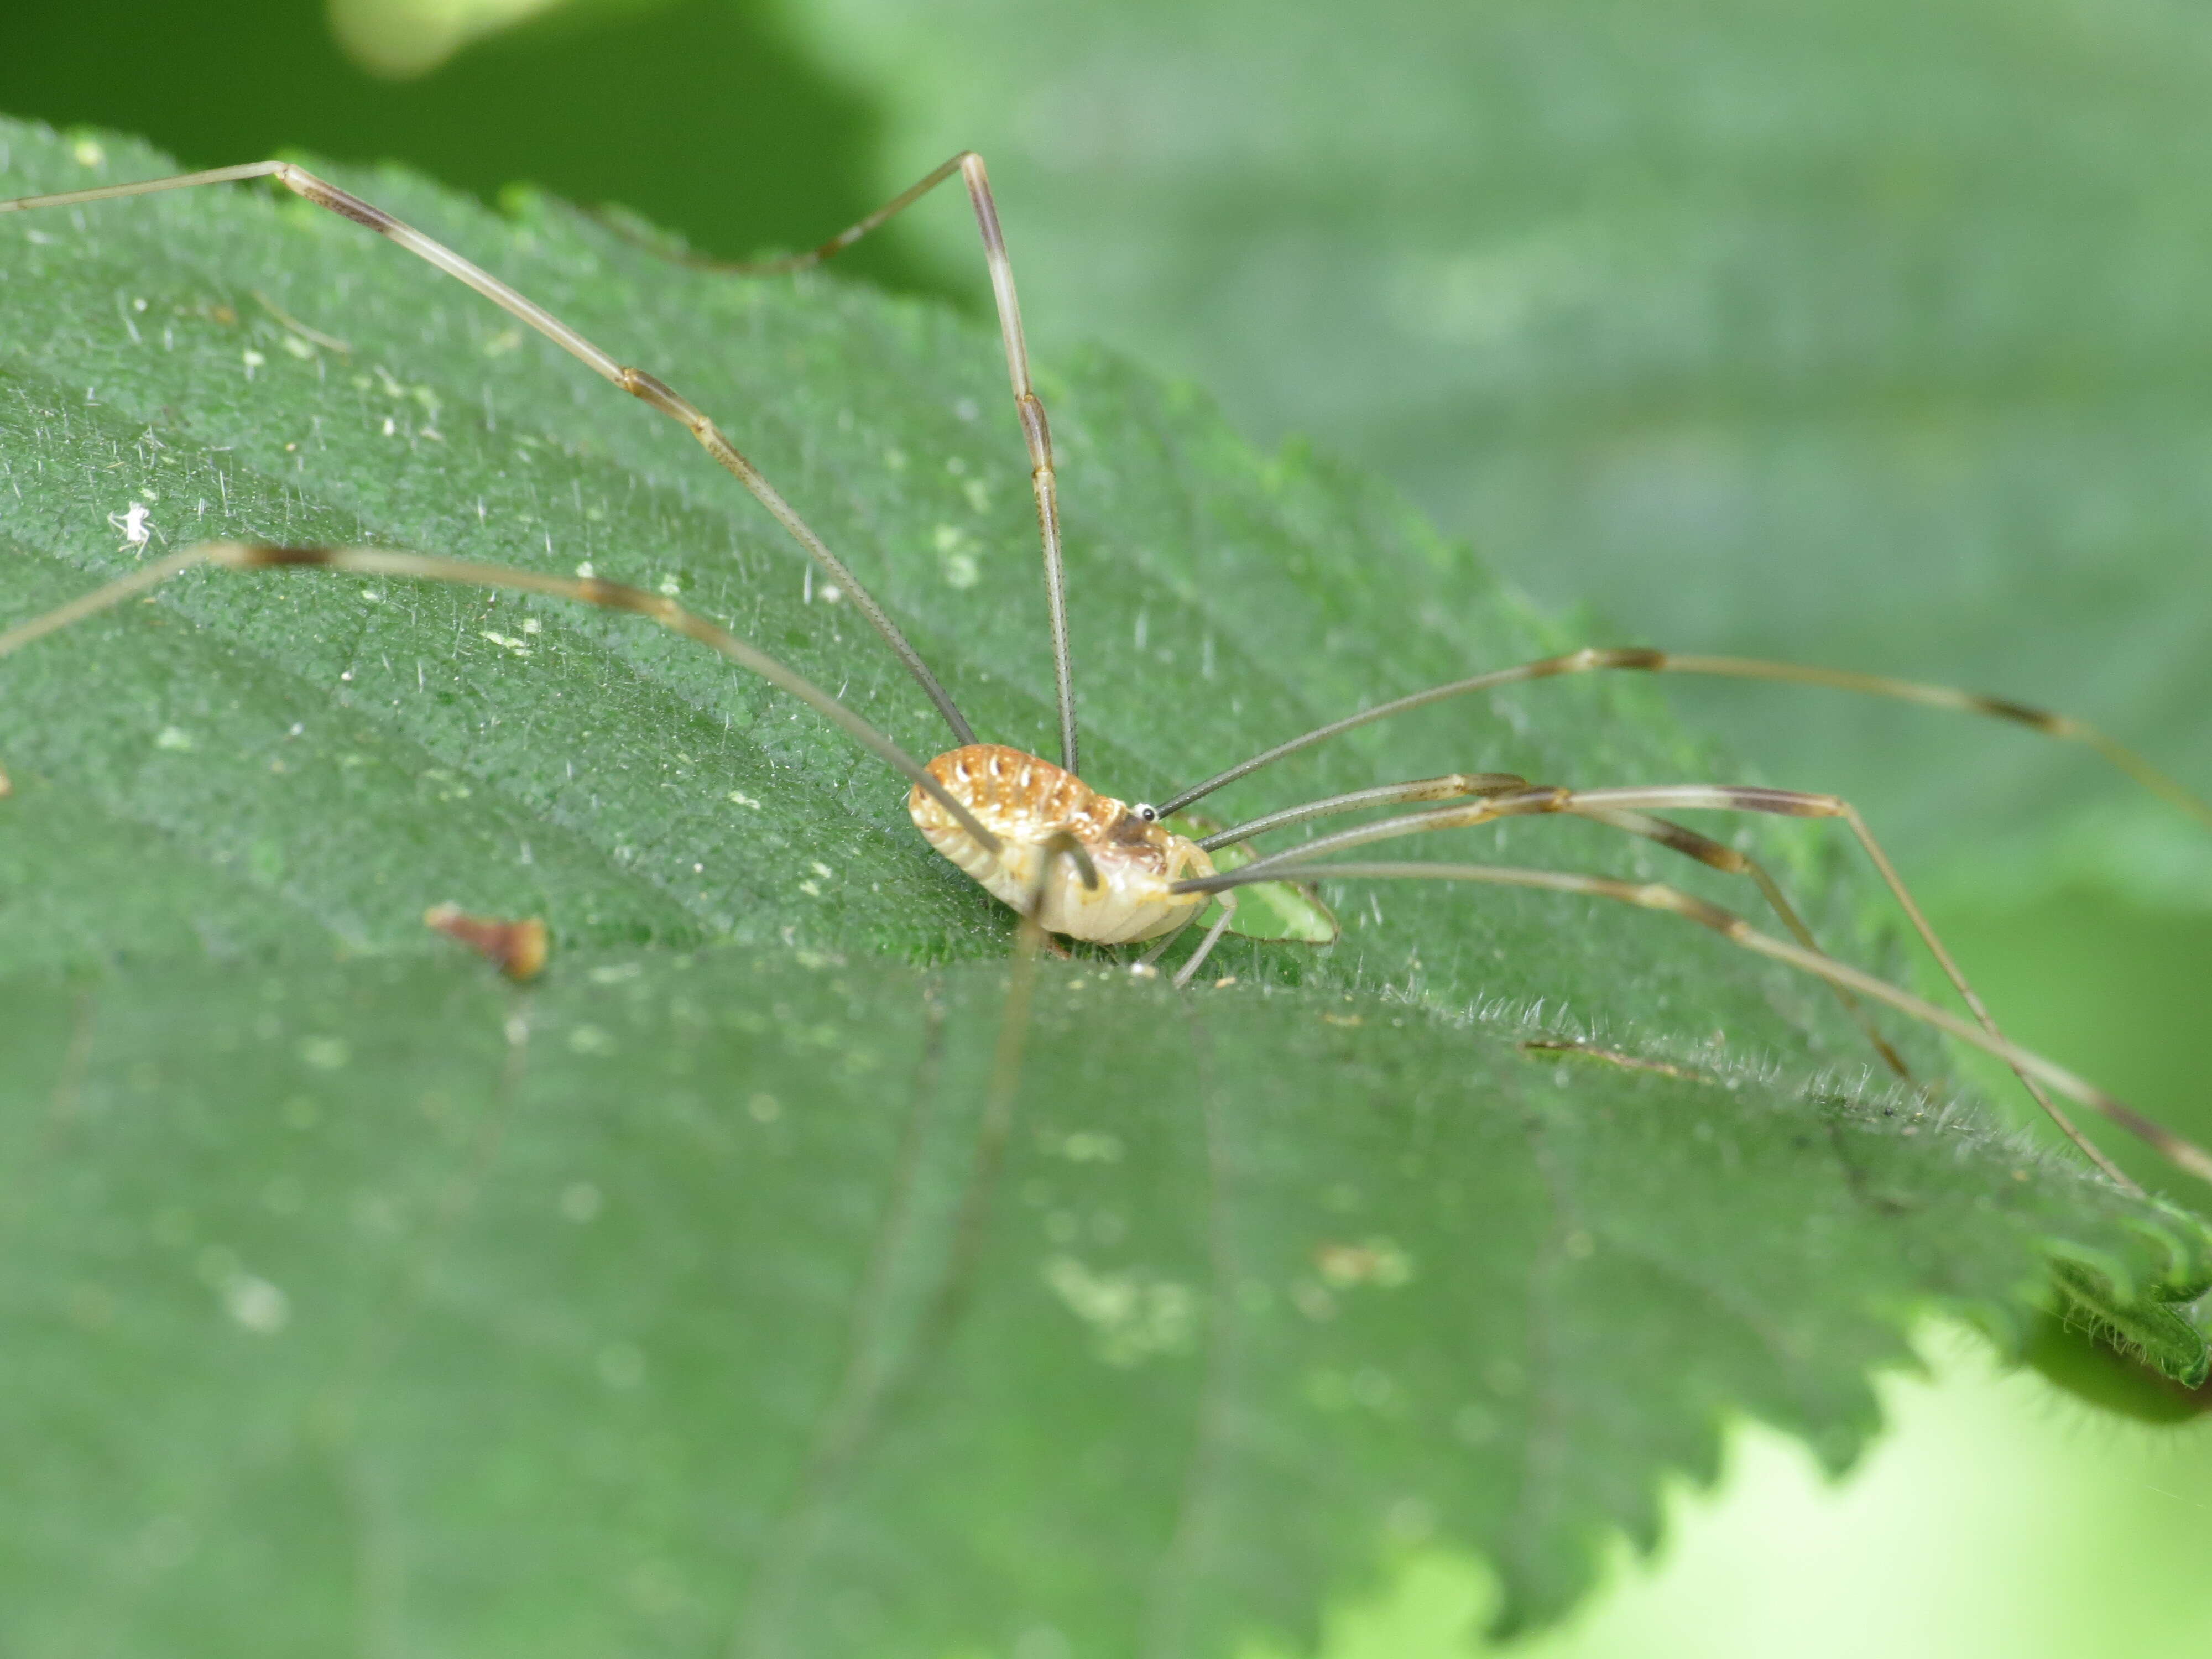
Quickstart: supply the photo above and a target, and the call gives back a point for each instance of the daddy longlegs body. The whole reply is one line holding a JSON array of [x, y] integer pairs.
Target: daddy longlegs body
[[1077, 863]]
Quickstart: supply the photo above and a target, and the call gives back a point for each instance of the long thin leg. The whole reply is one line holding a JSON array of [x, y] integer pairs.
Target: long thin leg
[[1653, 896], [1166, 941], [640, 385], [1185, 974], [1031, 938], [612, 596], [1592, 660], [1036, 432], [886, 1395], [1783, 803], [1449, 787], [1006, 1075], [1674, 837], [1719, 855]]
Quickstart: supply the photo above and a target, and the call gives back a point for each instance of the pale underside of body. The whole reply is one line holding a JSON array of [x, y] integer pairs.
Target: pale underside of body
[[1028, 804]]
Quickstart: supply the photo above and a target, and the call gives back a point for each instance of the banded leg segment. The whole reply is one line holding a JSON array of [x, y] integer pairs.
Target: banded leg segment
[[1674, 837], [1653, 896], [611, 595], [1036, 432], [1635, 801], [1593, 660], [1449, 787], [647, 388], [1718, 855]]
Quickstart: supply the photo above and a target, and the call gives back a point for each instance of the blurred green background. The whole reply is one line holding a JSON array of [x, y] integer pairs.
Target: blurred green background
[[1873, 334]]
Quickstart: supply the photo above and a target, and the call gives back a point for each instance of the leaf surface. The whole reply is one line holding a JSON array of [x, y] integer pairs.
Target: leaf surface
[[687, 1302]]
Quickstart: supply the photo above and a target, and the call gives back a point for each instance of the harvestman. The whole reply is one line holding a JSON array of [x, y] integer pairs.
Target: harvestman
[[1077, 863]]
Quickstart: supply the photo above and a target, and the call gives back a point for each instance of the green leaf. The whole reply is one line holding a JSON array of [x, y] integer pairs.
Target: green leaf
[[2169, 1338], [2076, 1349], [691, 1300], [1869, 334]]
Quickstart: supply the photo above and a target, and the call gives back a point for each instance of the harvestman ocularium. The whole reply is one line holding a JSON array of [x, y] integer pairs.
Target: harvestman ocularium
[[1074, 862]]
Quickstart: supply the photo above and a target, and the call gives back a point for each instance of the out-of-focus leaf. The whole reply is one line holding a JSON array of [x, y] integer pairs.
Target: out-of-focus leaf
[[686, 1301], [1869, 334]]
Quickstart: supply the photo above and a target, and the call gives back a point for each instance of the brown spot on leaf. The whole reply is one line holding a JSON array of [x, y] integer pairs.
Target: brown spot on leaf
[[517, 949], [1542, 1047]]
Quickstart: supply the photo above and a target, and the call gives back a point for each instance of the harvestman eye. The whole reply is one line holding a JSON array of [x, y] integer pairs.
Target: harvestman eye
[[1041, 840]]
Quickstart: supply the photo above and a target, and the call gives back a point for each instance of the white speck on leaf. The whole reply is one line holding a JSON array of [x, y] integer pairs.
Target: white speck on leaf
[[580, 1202], [326, 1053], [257, 1305], [1085, 1146], [133, 524], [1132, 1316]]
